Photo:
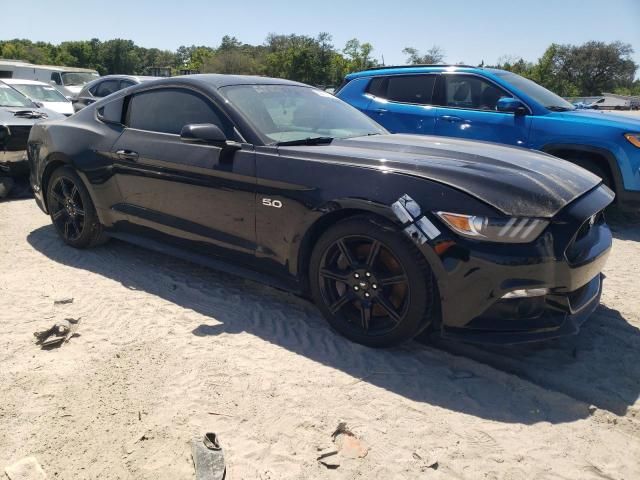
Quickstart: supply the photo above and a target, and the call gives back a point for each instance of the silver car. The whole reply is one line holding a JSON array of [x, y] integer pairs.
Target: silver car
[[103, 86]]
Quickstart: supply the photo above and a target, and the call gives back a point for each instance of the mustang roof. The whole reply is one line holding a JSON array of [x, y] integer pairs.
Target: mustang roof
[[217, 80]]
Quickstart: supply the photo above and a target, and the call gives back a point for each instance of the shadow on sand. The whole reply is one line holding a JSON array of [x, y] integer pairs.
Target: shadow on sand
[[18, 189], [601, 366], [624, 225]]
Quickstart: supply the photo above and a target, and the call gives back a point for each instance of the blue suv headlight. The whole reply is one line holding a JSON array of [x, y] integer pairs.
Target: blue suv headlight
[[634, 138]]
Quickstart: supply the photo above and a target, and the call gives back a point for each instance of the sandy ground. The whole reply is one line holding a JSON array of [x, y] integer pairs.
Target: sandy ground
[[169, 350]]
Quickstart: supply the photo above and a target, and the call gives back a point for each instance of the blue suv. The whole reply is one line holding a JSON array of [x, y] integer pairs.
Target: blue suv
[[499, 106]]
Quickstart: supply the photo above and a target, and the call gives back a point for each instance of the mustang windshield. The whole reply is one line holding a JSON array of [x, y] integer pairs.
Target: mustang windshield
[[291, 114], [540, 94]]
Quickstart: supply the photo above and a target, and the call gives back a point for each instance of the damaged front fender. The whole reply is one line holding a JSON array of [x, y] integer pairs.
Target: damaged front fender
[[415, 225]]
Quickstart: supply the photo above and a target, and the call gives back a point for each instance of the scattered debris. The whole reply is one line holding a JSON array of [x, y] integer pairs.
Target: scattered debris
[[26, 469], [428, 459], [58, 334], [348, 443], [340, 429], [329, 459], [63, 301], [220, 414], [208, 458]]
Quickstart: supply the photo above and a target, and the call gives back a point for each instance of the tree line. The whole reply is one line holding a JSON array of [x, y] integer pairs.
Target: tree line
[[569, 70]]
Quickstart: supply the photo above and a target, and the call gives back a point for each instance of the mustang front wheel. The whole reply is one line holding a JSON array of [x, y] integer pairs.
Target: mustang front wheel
[[371, 283]]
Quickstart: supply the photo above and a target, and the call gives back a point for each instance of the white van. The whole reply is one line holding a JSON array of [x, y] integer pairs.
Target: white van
[[68, 80]]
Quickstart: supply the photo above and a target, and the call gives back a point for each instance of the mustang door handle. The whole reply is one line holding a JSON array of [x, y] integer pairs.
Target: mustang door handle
[[127, 155], [450, 118], [380, 111]]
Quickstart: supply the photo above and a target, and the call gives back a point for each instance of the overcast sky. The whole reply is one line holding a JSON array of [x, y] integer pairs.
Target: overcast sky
[[467, 30]]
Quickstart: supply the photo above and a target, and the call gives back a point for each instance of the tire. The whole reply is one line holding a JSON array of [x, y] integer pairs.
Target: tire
[[596, 170], [592, 166], [72, 211], [371, 283]]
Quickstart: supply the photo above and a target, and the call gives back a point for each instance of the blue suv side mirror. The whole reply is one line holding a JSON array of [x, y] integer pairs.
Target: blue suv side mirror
[[511, 105]]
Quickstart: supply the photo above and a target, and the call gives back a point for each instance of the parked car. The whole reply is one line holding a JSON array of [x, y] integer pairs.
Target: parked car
[[105, 86], [388, 234], [68, 80], [42, 94], [499, 106], [17, 115]]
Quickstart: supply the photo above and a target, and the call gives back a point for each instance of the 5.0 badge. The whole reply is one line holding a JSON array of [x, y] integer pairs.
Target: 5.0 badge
[[269, 202]]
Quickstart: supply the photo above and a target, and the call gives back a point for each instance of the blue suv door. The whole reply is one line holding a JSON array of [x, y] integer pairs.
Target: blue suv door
[[403, 103], [467, 109]]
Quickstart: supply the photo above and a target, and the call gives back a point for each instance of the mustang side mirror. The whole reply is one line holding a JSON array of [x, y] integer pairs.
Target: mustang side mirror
[[210, 134], [511, 105], [203, 133], [207, 133]]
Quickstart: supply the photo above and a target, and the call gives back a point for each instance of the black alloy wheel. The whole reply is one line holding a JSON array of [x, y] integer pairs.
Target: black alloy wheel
[[371, 284], [72, 211], [67, 209]]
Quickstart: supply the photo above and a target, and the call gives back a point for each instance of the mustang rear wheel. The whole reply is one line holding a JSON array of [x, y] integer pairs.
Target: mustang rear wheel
[[371, 284], [72, 211]]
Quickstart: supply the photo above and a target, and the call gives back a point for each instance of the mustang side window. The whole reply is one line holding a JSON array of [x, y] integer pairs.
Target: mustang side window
[[467, 91], [168, 110]]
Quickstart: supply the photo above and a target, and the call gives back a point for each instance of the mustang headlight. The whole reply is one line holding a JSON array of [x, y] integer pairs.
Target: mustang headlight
[[504, 230], [634, 138]]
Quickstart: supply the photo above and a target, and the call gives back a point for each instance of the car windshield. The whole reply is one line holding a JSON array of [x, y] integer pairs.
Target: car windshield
[[12, 98], [77, 78], [291, 113], [41, 93], [540, 94]]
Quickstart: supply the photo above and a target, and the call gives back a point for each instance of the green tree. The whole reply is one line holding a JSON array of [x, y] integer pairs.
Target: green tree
[[359, 55], [435, 55]]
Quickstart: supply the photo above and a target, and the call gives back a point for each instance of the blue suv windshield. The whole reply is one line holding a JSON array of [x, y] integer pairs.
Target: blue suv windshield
[[540, 94]]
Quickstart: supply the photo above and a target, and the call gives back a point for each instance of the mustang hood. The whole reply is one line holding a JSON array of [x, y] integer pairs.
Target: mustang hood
[[516, 181]]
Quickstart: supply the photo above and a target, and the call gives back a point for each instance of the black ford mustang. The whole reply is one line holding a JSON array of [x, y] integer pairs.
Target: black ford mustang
[[389, 234]]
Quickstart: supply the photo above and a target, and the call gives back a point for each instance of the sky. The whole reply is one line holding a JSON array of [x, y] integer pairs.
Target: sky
[[468, 31]]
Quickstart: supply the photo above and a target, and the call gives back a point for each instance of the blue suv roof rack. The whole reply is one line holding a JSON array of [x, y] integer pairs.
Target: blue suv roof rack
[[386, 67]]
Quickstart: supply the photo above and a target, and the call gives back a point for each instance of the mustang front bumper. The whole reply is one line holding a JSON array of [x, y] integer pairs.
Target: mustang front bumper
[[564, 263]]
